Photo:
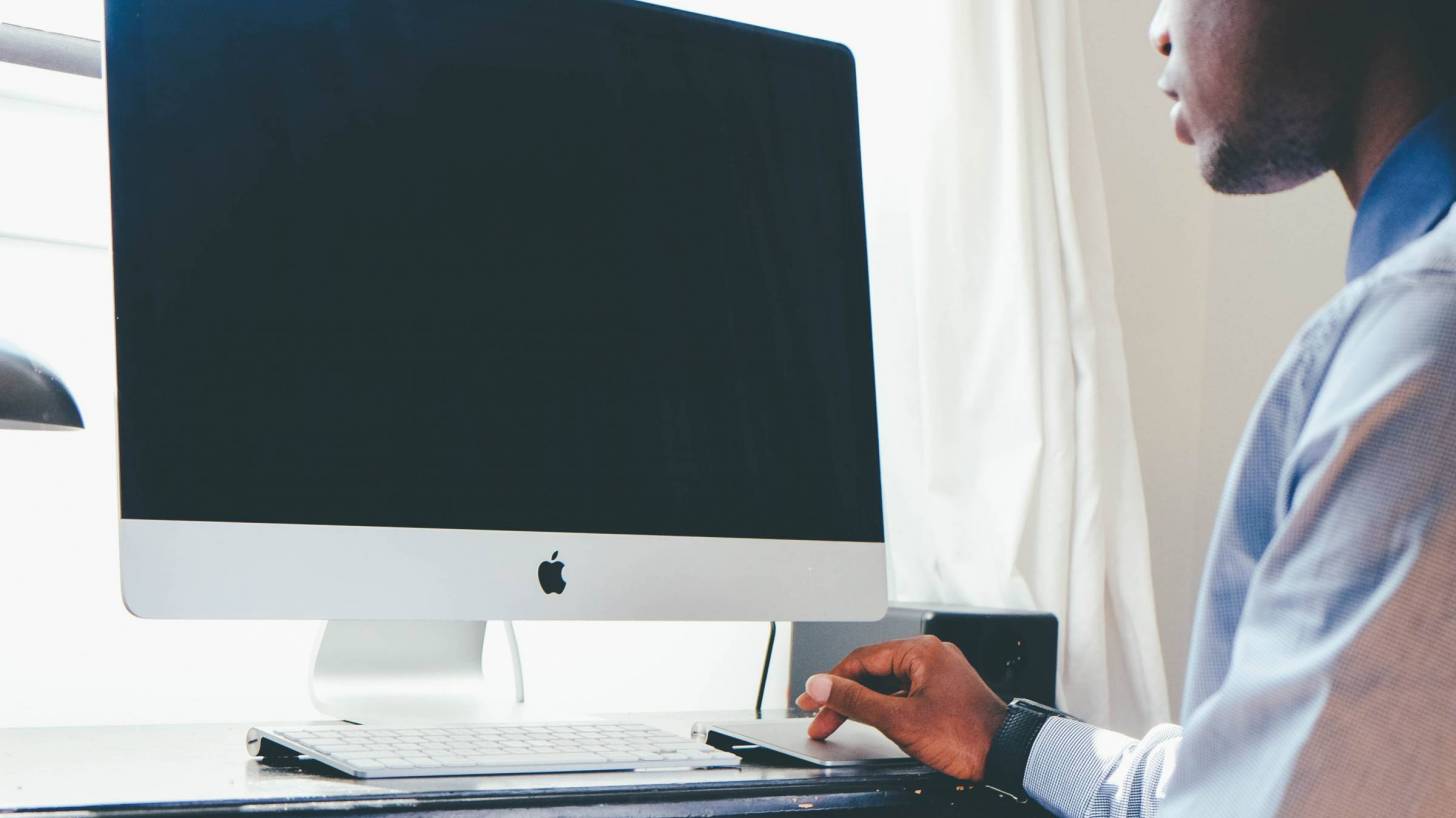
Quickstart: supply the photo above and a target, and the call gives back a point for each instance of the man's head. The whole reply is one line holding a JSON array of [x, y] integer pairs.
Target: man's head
[[1268, 90]]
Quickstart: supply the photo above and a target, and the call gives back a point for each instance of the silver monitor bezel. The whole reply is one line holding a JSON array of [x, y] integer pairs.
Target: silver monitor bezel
[[215, 570]]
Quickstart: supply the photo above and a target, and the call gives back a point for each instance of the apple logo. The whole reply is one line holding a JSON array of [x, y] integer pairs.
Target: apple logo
[[552, 582]]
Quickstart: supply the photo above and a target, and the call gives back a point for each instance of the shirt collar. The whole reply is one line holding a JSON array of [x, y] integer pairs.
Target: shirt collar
[[1410, 193]]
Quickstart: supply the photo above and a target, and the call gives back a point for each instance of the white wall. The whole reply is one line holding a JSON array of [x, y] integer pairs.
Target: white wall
[[1211, 289]]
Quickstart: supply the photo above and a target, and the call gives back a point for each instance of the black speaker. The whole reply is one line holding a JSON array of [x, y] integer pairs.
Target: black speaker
[[1014, 651]]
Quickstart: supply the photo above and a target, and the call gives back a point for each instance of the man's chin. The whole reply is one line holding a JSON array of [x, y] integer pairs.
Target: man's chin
[[1228, 168]]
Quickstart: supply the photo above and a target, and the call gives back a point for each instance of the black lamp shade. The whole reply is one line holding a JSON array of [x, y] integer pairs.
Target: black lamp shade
[[31, 397]]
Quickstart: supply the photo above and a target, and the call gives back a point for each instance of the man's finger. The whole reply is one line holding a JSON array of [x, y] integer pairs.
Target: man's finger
[[870, 660], [848, 698], [825, 722], [895, 659]]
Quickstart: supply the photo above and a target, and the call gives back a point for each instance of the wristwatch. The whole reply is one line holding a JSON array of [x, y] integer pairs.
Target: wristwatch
[[1011, 747]]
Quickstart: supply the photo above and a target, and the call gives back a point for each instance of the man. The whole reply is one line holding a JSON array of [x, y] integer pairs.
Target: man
[[1322, 678]]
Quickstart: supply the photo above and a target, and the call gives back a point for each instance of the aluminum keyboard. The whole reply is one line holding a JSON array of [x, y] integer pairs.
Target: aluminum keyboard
[[489, 749]]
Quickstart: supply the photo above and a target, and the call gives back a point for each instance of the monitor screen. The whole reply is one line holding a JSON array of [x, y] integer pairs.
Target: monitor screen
[[578, 266]]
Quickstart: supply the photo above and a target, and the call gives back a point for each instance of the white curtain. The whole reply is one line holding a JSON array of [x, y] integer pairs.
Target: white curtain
[[1010, 447], [1011, 472]]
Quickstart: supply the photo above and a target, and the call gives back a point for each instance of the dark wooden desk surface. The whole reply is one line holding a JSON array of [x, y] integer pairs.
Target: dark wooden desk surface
[[204, 769]]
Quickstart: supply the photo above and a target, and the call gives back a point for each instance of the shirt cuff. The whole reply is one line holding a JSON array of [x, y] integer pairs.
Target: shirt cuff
[[1068, 763]]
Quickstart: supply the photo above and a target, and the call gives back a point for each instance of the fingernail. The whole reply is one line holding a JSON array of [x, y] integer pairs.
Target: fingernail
[[818, 687]]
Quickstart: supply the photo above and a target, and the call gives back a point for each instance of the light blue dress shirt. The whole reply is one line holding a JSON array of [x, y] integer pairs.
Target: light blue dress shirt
[[1322, 678]]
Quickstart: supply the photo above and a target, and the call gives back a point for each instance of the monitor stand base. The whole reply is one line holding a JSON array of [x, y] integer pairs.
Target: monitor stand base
[[373, 672]]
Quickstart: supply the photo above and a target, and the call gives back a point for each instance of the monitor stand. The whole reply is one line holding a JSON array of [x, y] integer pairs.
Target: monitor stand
[[407, 672]]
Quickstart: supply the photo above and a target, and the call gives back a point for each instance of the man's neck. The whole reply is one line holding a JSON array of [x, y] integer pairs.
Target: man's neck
[[1392, 99]]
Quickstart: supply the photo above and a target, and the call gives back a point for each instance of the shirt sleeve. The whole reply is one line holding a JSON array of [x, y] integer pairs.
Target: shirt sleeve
[[1076, 769], [1347, 615]]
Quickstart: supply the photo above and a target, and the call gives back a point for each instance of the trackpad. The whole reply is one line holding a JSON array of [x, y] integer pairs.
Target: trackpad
[[853, 744]]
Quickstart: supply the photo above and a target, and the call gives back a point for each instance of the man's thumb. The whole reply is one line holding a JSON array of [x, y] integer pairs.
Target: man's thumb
[[852, 699]]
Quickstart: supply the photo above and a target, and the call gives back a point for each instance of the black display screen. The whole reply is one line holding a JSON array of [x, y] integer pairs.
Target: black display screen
[[576, 265]]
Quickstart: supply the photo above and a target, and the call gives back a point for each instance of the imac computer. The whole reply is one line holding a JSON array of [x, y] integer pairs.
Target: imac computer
[[432, 312]]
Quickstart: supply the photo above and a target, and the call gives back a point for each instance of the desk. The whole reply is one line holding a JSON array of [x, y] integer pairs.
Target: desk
[[204, 769]]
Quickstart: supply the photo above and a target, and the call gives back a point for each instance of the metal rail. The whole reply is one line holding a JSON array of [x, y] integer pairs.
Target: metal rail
[[51, 51]]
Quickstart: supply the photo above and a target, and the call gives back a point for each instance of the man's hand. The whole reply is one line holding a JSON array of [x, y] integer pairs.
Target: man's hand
[[921, 693]]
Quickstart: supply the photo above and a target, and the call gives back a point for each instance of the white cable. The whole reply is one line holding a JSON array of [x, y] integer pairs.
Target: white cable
[[516, 661]]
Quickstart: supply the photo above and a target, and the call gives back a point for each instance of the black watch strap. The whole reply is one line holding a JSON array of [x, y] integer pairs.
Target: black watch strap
[[1011, 747]]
